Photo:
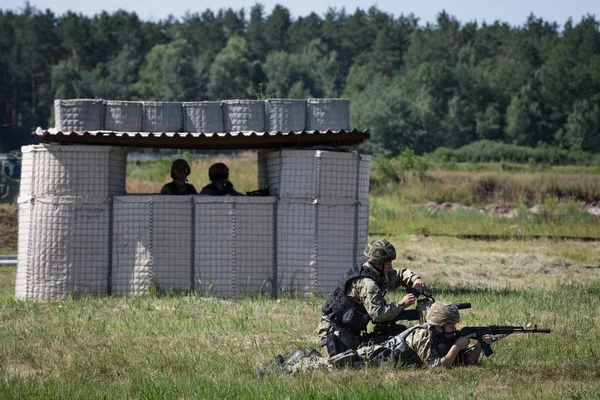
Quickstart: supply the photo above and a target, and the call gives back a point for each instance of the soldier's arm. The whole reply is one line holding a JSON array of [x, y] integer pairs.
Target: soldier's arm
[[401, 278], [421, 342], [367, 291]]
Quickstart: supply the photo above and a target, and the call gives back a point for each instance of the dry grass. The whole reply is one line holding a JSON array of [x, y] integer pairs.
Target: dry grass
[[481, 187], [539, 264]]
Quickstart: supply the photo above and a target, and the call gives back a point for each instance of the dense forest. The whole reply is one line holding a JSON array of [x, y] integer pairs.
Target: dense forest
[[417, 86]]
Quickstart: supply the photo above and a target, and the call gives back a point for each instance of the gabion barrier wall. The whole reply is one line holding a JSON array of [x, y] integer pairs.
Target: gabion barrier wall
[[221, 246], [87, 171], [313, 174], [203, 116], [323, 114], [64, 219], [285, 115], [322, 215], [65, 249], [125, 116], [300, 240], [79, 114], [162, 117], [244, 115], [282, 115], [234, 245]]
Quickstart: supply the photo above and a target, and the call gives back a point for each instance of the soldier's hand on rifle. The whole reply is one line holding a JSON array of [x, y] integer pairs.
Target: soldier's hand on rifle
[[463, 342], [488, 339], [419, 285], [409, 300]]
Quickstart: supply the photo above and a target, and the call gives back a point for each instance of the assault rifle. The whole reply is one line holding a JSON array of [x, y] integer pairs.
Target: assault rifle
[[386, 330], [501, 331]]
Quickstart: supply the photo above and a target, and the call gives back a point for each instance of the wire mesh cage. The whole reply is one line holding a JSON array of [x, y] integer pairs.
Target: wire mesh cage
[[244, 115], [65, 251], [25, 208], [285, 115], [55, 170], [123, 116], [328, 114], [220, 246], [234, 245], [317, 242], [312, 174], [203, 116], [162, 117], [78, 115], [131, 264]]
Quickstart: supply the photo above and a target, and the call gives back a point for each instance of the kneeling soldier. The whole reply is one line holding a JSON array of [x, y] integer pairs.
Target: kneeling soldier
[[359, 299]]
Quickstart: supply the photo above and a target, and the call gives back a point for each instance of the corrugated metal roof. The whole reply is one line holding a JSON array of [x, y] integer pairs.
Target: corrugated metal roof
[[226, 140]]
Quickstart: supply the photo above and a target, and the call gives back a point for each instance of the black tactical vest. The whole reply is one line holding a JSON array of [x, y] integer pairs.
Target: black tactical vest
[[345, 311]]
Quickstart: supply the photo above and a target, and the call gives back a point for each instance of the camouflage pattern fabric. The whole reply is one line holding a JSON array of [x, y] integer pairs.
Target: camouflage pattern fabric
[[369, 355], [442, 313], [371, 295], [429, 348]]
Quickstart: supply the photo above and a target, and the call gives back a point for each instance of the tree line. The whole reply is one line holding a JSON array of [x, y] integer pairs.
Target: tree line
[[442, 84]]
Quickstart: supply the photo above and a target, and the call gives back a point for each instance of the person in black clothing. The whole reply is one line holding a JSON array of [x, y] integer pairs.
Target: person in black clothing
[[220, 186], [180, 170]]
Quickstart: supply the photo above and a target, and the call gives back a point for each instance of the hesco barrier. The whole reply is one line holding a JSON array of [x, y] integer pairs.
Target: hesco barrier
[[273, 115], [78, 233]]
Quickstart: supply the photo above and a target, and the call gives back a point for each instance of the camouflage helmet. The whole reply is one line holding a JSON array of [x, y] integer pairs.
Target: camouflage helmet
[[179, 163], [442, 313], [380, 251], [218, 172]]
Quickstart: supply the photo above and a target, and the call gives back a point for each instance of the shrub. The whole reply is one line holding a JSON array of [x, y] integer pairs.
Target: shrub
[[490, 151]]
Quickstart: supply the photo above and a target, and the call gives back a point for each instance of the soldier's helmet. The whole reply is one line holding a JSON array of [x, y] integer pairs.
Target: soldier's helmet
[[442, 313], [218, 172], [380, 251], [179, 163]]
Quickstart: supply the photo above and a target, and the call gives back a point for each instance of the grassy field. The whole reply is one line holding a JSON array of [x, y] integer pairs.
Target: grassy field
[[202, 348], [192, 347]]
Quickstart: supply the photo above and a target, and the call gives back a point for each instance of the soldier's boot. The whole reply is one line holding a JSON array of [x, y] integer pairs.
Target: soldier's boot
[[314, 354], [275, 365], [296, 356]]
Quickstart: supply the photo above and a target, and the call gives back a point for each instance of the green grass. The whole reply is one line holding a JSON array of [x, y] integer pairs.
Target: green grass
[[193, 347], [203, 348], [387, 217]]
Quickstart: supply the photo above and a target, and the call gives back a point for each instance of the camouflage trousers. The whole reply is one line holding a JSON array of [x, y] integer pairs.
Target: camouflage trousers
[[367, 355]]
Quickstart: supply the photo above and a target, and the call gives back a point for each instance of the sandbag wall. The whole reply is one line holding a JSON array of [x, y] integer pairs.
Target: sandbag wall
[[322, 215], [217, 246], [272, 115], [64, 219]]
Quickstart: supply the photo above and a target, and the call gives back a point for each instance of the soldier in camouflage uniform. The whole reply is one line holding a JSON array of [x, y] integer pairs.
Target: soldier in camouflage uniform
[[359, 299], [433, 344], [180, 170], [219, 185], [430, 344]]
